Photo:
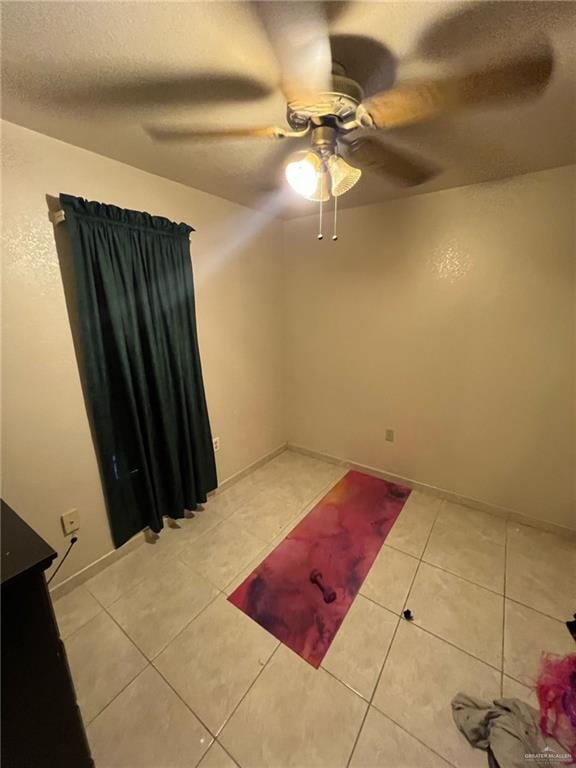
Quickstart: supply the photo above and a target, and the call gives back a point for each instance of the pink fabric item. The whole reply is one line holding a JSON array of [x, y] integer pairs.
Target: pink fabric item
[[556, 691], [302, 591]]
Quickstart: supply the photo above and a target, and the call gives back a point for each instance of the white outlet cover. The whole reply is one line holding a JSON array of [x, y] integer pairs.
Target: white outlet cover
[[70, 521]]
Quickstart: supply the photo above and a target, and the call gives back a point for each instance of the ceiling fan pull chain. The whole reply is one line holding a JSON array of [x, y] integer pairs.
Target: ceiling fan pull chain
[[320, 235], [335, 232]]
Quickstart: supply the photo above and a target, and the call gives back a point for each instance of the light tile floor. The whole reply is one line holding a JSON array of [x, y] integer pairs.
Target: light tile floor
[[170, 675]]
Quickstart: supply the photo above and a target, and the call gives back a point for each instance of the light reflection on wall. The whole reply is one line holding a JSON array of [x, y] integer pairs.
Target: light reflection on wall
[[238, 230], [450, 262]]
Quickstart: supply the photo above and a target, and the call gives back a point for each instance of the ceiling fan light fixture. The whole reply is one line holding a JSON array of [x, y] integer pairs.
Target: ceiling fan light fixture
[[302, 173], [343, 175], [322, 188]]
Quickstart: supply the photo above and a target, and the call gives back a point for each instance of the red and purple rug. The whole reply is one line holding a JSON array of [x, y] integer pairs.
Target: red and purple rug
[[302, 591]]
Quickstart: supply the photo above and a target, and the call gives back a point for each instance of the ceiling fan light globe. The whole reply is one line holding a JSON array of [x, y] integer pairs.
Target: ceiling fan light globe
[[302, 175], [343, 175], [322, 188]]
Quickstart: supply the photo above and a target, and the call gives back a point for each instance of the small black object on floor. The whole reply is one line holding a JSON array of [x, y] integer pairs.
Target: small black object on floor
[[572, 627], [408, 614]]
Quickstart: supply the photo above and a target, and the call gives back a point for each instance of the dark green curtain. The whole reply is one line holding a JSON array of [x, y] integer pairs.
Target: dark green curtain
[[141, 364]]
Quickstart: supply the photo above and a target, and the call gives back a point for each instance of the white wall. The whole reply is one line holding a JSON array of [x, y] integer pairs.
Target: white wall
[[448, 317], [49, 464]]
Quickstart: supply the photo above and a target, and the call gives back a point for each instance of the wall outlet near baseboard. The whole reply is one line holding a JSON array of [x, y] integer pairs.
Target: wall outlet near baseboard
[[70, 521], [390, 435], [216, 443]]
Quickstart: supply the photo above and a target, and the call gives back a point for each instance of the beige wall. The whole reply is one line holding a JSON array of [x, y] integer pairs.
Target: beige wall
[[449, 318], [49, 464]]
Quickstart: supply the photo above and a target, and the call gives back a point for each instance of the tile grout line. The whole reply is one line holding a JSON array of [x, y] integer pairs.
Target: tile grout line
[[474, 583], [113, 699], [531, 608], [438, 637], [245, 694], [464, 578], [185, 627], [222, 747], [391, 642], [202, 723], [150, 662], [416, 738]]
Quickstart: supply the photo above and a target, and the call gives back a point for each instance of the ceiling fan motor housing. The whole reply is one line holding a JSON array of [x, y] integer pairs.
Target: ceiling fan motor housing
[[338, 105], [324, 140]]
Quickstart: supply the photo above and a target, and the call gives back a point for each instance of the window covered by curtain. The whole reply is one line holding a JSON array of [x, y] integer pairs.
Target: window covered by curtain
[[141, 364]]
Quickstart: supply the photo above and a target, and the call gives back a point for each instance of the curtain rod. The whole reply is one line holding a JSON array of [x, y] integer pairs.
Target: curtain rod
[[58, 216]]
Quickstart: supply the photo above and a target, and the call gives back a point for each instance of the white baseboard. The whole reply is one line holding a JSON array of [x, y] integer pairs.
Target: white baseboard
[[442, 493], [63, 587]]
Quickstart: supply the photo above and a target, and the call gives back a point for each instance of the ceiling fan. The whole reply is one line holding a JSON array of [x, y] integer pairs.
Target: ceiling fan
[[343, 125]]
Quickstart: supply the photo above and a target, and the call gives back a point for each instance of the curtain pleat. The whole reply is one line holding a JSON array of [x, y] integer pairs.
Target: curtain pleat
[[141, 363]]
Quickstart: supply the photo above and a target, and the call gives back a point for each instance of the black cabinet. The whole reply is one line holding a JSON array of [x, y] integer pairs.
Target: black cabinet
[[41, 723]]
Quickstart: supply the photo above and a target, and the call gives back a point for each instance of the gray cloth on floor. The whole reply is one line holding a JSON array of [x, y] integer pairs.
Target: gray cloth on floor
[[508, 730]]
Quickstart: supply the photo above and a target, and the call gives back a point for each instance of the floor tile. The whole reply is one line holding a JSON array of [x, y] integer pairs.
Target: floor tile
[[161, 605], [123, 575], [179, 533], [512, 689], [421, 676], [302, 476], [222, 553], [102, 661], [389, 579], [360, 646], [213, 662], [382, 743], [216, 757], [74, 610], [226, 501], [267, 513], [294, 716], [541, 571], [147, 726], [411, 530], [470, 544], [527, 635], [262, 555], [465, 614]]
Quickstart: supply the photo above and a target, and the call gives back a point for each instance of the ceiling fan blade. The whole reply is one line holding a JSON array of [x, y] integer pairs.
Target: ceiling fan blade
[[370, 153], [414, 102], [189, 90], [298, 34], [189, 134]]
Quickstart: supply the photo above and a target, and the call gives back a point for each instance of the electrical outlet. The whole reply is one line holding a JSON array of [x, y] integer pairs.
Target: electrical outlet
[[390, 435], [216, 443], [70, 521]]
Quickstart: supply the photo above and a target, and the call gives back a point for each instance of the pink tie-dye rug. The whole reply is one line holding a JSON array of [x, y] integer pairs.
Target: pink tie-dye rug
[[334, 546]]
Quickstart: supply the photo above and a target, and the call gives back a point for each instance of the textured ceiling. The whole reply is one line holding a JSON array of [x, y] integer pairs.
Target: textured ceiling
[[93, 73]]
